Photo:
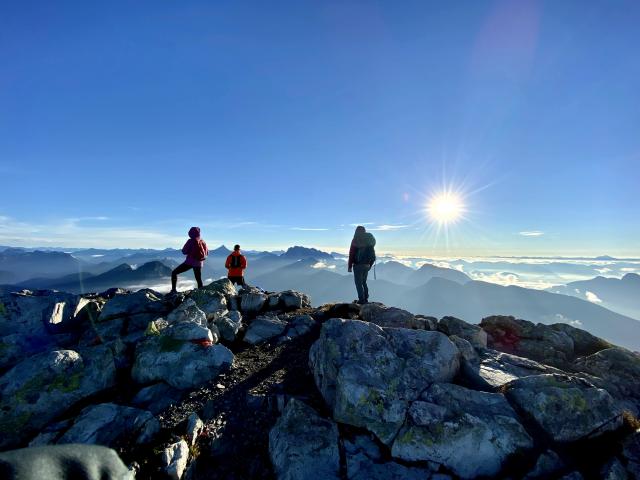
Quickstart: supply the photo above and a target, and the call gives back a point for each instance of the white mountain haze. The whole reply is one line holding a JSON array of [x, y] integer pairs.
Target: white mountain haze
[[424, 288]]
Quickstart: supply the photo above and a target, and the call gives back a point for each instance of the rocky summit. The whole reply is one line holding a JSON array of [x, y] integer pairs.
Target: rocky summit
[[225, 383]]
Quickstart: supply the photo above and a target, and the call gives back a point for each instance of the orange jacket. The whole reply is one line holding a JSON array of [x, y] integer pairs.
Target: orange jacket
[[237, 271]]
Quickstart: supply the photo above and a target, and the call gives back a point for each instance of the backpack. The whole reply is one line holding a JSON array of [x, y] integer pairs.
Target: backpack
[[200, 250], [365, 255], [236, 261]]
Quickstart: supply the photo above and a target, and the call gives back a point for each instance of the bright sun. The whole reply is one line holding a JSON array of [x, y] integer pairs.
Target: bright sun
[[445, 207]]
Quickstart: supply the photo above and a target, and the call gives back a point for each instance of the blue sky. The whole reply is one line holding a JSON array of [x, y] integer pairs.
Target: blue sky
[[280, 123]]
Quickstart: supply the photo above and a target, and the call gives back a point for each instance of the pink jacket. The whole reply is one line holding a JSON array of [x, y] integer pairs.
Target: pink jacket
[[190, 248]]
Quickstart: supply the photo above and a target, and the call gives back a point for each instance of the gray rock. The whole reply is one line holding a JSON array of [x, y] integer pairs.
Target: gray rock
[[127, 304], [188, 311], [613, 470], [175, 458], [42, 387], [51, 433], [303, 445], [189, 331], [495, 369], [547, 465], [229, 325], [365, 462], [292, 300], [535, 341], [27, 321], [195, 426], [181, 364], [618, 371], [264, 328], [631, 454], [299, 325], [90, 462], [156, 398], [391, 317], [472, 333], [215, 306], [583, 342], [573, 476], [368, 375], [107, 423], [566, 408], [471, 433], [252, 302]]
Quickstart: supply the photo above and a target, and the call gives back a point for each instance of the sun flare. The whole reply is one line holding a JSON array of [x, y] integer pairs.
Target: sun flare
[[445, 207]]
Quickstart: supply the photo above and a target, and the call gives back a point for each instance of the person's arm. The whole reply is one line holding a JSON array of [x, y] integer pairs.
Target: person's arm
[[227, 264], [243, 262], [206, 249], [352, 256], [187, 247]]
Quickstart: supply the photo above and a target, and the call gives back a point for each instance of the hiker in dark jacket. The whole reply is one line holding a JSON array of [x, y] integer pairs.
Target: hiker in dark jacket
[[196, 251], [236, 264], [361, 257]]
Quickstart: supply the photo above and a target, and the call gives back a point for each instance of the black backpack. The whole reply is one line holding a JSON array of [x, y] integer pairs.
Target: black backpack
[[235, 261], [365, 255]]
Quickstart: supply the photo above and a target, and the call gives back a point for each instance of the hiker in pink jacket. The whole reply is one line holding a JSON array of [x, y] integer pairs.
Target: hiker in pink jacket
[[196, 251]]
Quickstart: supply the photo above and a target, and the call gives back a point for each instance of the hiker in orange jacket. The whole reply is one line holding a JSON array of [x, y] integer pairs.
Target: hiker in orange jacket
[[236, 264], [196, 251]]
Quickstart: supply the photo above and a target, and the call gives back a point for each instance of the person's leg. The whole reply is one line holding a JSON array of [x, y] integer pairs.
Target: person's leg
[[197, 271], [183, 267], [357, 277], [365, 288]]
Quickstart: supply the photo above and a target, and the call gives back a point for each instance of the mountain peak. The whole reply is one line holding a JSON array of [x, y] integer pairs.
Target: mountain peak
[[300, 253], [221, 250]]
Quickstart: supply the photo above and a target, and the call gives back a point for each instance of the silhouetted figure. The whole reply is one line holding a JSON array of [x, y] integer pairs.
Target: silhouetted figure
[[236, 264], [362, 256], [196, 251]]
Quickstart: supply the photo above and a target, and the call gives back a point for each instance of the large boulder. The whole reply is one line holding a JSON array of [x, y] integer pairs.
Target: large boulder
[[27, 320], [229, 325], [145, 301], [156, 398], [391, 317], [292, 300], [187, 311], [42, 387], [90, 462], [365, 461], [108, 423], [583, 342], [492, 369], [252, 301], [369, 375], [179, 363], [303, 445], [264, 328], [472, 333], [526, 339], [617, 370], [631, 454], [471, 433], [566, 408]]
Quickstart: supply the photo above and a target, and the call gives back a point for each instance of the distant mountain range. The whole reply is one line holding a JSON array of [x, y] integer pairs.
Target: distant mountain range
[[429, 289], [619, 294]]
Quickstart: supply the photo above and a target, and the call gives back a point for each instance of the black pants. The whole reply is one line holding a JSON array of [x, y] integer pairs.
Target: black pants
[[360, 273], [239, 280], [197, 271]]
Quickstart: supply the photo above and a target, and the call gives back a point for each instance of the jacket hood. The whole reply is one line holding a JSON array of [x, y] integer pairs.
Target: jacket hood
[[194, 232]]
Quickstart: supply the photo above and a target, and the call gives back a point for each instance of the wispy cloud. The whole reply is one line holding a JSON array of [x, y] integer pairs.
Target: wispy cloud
[[309, 229], [531, 233], [388, 228]]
